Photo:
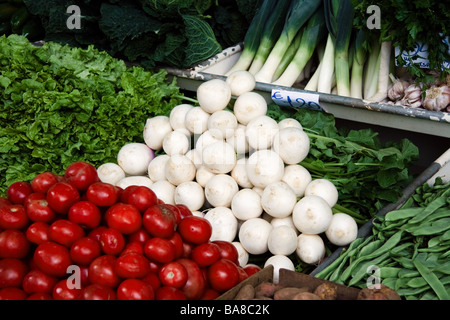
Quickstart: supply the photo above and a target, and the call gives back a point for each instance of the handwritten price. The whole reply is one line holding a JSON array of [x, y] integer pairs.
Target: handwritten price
[[296, 99]]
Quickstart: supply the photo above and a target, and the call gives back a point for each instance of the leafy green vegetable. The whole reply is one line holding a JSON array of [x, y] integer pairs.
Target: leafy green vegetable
[[367, 174], [62, 104], [176, 33], [406, 22]]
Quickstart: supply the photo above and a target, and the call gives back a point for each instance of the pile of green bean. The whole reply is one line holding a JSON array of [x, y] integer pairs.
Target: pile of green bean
[[408, 249]]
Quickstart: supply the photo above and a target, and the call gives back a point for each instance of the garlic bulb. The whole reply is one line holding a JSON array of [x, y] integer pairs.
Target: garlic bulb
[[437, 98], [413, 96], [397, 89]]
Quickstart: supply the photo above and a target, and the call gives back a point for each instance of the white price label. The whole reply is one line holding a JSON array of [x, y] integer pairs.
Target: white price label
[[296, 99]]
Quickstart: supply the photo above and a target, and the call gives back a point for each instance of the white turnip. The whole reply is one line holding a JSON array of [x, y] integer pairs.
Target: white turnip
[[342, 230], [220, 190], [196, 120], [240, 81], [176, 142], [134, 158], [254, 234], [289, 122], [110, 173], [312, 215], [264, 167], [222, 124], [155, 130], [190, 193], [178, 115], [323, 188], [297, 177], [164, 190], [238, 140], [219, 157], [292, 144], [278, 262], [246, 204], [213, 95], [203, 175], [239, 173], [310, 248], [282, 240], [179, 169], [224, 224], [260, 132], [248, 106], [278, 199], [156, 167], [134, 181], [243, 255]]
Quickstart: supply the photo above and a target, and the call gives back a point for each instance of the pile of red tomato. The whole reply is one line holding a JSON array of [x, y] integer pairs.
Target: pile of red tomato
[[73, 237]]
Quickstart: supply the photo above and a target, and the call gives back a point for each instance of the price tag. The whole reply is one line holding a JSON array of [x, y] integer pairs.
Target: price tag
[[296, 99]]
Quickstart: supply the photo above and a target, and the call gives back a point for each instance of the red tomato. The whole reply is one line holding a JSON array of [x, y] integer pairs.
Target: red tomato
[[169, 293], [12, 293], [37, 232], [140, 236], [13, 244], [81, 175], [133, 247], [159, 250], [124, 217], [61, 196], [64, 290], [52, 258], [228, 250], [86, 214], [4, 202], [18, 191], [65, 232], [43, 181], [152, 279], [84, 250], [125, 192], [141, 197], [101, 271], [195, 229], [178, 243], [33, 197], [39, 296], [97, 292], [196, 283], [97, 232], [173, 274], [210, 294], [184, 210], [159, 221], [102, 194], [12, 272], [205, 254], [242, 274], [132, 265], [135, 289], [40, 210], [187, 249], [36, 281], [13, 217], [251, 269], [112, 241], [223, 275]]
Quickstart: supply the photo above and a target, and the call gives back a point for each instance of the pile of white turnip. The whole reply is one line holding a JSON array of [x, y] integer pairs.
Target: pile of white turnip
[[227, 161]]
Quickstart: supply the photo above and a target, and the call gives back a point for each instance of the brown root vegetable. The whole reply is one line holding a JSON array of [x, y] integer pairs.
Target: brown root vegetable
[[288, 292], [378, 292], [266, 289], [306, 296], [247, 292], [326, 291]]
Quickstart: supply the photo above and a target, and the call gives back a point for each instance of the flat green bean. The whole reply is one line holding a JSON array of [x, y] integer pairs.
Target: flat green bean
[[369, 248], [361, 271], [417, 282], [432, 280], [403, 214], [432, 207], [404, 262], [437, 227], [408, 273], [401, 250], [389, 272]]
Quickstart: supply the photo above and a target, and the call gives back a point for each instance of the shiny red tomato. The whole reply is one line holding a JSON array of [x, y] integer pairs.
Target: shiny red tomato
[[133, 247], [18, 191], [135, 289], [13, 217], [124, 217], [37, 232], [36, 281], [112, 241], [33, 197], [97, 292], [12, 293], [86, 214], [81, 175], [40, 210], [251, 269], [12, 272], [159, 221], [102, 194], [39, 296], [4, 202], [184, 210], [140, 236], [196, 283], [52, 258], [132, 265], [173, 274], [141, 197], [97, 232], [65, 232], [195, 229], [242, 274], [169, 293], [13, 244], [210, 294], [84, 250], [159, 250], [61, 196], [102, 271], [64, 290], [205, 254], [228, 250], [178, 243], [152, 279], [43, 181], [223, 275]]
